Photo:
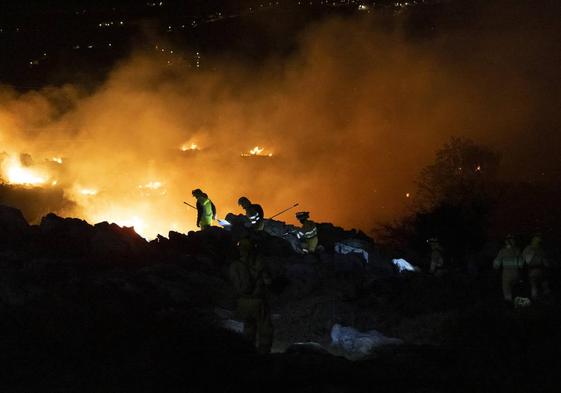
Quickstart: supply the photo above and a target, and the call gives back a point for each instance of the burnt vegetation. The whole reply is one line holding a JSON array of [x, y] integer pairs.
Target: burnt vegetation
[[97, 307]]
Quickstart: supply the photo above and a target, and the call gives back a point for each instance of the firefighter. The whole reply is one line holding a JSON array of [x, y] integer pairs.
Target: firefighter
[[510, 261], [250, 279], [254, 214], [436, 257], [206, 211], [308, 234], [534, 258]]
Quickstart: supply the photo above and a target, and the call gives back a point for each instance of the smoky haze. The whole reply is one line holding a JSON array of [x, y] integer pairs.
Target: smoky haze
[[350, 119]]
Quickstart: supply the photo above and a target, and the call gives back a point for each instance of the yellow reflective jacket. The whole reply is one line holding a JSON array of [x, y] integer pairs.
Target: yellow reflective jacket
[[204, 212]]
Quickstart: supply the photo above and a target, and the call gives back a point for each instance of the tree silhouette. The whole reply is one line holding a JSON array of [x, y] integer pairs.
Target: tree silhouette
[[463, 172]]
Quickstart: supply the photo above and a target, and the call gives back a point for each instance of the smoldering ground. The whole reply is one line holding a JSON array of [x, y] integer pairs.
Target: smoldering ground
[[350, 118]]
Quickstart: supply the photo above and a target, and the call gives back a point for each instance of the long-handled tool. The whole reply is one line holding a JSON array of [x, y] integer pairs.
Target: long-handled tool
[[284, 211], [188, 204]]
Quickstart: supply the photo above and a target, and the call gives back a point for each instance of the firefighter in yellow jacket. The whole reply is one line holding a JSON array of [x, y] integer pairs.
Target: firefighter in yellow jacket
[[206, 211], [250, 279], [510, 261], [308, 234]]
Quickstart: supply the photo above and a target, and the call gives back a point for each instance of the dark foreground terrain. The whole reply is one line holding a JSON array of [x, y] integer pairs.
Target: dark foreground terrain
[[97, 308]]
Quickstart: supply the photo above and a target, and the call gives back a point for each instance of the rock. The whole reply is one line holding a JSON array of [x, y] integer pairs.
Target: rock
[[65, 236], [347, 263], [307, 348], [110, 240], [13, 226], [303, 279]]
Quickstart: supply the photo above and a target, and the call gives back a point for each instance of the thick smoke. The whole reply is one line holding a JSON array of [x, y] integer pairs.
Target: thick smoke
[[350, 119]]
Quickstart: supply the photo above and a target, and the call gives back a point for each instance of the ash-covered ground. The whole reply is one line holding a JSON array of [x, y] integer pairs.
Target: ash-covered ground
[[98, 308]]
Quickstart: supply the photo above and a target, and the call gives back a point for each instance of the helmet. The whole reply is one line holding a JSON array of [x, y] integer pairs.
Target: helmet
[[509, 240], [197, 192], [303, 215], [243, 201]]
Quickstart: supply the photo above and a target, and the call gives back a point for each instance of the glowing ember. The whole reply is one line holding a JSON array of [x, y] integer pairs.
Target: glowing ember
[[187, 147], [15, 173], [58, 160], [407, 195]]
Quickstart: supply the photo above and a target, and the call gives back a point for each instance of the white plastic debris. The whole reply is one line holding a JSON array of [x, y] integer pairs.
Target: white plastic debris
[[342, 248], [233, 325], [403, 266], [358, 344], [227, 321], [522, 302]]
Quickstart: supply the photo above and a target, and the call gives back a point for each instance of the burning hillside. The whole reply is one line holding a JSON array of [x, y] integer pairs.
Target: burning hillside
[[351, 120]]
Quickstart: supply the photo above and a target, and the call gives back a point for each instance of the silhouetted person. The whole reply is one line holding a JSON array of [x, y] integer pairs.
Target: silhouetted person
[[250, 279], [510, 261], [308, 234], [536, 261], [254, 214], [436, 257]]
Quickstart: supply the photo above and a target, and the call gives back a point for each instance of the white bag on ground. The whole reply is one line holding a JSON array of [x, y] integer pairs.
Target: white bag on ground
[[358, 343]]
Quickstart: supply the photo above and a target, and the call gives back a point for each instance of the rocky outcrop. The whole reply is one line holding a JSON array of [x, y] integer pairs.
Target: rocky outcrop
[[14, 229]]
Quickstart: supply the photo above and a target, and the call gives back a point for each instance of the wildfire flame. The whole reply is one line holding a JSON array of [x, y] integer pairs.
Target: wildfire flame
[[88, 191], [16, 173], [153, 185], [191, 147], [257, 152]]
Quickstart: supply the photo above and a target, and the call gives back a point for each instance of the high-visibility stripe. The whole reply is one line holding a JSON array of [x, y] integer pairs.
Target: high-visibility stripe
[[311, 233], [307, 235]]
